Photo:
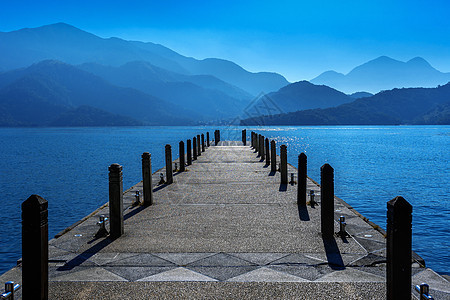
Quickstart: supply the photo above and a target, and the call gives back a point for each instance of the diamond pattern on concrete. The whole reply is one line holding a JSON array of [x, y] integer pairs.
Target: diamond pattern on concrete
[[136, 273], [105, 258], [141, 259], [307, 272], [350, 275], [90, 274], [266, 275], [337, 259], [223, 273], [183, 259], [259, 259], [220, 260], [297, 259], [178, 274]]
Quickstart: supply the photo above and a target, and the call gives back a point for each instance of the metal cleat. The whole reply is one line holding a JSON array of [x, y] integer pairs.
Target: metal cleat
[[10, 288], [342, 233], [423, 291], [312, 202], [161, 179], [137, 201], [102, 232]]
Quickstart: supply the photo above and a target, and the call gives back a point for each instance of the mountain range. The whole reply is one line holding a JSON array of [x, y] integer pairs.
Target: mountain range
[[393, 107], [40, 94], [384, 73], [59, 75], [305, 95], [71, 45]]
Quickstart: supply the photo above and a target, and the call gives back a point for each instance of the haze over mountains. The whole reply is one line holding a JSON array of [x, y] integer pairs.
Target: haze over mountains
[[384, 73], [58, 75], [71, 45], [393, 107]]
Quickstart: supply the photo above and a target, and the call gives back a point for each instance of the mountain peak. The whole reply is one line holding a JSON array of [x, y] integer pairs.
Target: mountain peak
[[382, 60], [419, 61], [385, 73]]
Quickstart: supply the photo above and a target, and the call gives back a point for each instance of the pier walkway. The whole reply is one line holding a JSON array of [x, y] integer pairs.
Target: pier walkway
[[225, 229]]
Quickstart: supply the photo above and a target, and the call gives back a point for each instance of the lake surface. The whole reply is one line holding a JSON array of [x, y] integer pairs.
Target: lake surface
[[373, 164]]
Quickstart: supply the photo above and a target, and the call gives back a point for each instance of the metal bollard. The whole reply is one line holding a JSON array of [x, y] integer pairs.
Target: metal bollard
[[312, 202], [137, 200], [342, 232], [161, 178], [424, 291], [292, 182], [10, 288], [176, 168], [102, 232]]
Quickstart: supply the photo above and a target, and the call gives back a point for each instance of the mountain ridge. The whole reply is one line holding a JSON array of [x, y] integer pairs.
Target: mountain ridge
[[69, 44], [393, 107], [61, 87], [384, 73], [303, 95]]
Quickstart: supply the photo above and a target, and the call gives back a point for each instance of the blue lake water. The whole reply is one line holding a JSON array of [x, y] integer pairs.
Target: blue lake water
[[373, 164]]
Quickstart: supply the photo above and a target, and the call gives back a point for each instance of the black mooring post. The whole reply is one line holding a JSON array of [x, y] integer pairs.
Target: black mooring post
[[199, 150], [258, 141], [203, 142], [267, 151], [283, 164], [327, 201], [147, 178], [244, 137], [194, 147], [273, 156], [189, 152], [169, 169], [35, 248], [253, 140], [216, 137], [207, 139], [302, 174], [115, 201], [399, 247], [182, 162], [263, 155]]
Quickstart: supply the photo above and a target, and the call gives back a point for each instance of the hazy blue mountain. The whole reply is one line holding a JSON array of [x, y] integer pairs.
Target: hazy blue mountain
[[45, 90], [397, 106], [305, 95], [358, 95], [384, 73], [206, 94], [89, 116], [439, 115], [69, 44]]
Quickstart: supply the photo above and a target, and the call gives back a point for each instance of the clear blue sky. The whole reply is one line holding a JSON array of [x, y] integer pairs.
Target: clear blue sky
[[299, 39]]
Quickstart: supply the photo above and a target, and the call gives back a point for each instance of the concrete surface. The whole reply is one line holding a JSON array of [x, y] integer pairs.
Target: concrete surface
[[225, 229]]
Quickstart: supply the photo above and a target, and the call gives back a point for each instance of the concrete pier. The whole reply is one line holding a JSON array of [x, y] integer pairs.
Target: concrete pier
[[224, 229]]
